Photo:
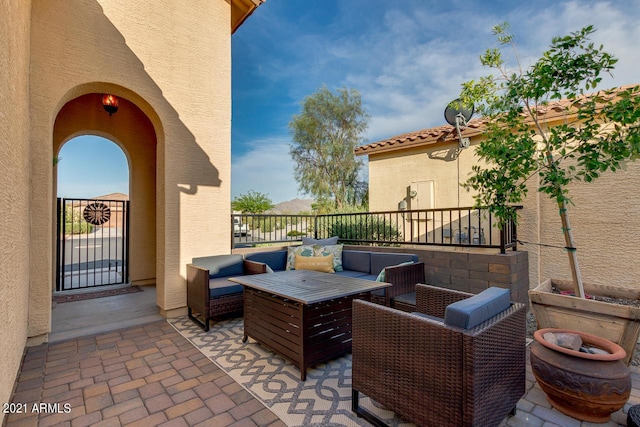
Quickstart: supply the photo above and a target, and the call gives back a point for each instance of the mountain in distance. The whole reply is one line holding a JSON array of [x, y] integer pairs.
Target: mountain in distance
[[292, 206]]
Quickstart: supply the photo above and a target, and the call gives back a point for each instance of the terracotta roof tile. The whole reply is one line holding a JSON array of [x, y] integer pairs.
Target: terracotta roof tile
[[447, 133]]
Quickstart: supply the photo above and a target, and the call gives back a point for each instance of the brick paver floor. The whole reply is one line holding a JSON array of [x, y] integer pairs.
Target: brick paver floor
[[150, 375], [146, 375]]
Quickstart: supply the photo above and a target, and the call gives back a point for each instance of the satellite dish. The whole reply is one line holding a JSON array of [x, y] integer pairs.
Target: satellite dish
[[457, 114]]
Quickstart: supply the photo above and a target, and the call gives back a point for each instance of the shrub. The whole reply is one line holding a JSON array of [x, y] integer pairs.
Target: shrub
[[364, 229]]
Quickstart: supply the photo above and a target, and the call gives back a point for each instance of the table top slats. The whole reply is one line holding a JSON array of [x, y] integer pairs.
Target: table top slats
[[308, 287]]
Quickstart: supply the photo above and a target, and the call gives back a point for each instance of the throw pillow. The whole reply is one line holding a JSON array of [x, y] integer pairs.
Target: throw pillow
[[335, 250], [323, 264], [292, 251], [381, 276], [322, 242], [315, 250]]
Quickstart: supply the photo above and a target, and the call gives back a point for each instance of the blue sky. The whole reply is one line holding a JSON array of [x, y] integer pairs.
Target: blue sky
[[406, 58]]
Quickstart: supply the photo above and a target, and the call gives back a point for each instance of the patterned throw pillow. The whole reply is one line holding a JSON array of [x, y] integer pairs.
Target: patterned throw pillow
[[336, 251], [323, 264], [292, 251], [315, 250], [381, 276]]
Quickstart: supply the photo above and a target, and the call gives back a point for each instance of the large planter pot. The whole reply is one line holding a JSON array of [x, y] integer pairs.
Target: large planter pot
[[588, 387], [615, 322]]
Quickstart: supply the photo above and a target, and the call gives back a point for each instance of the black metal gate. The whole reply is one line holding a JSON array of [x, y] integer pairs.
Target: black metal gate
[[93, 243]]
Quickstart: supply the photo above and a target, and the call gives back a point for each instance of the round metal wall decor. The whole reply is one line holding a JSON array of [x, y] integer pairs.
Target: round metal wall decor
[[96, 213]]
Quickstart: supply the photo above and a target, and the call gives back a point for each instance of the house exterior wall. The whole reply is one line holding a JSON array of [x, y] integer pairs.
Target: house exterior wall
[[168, 60], [605, 217], [391, 173], [14, 187], [605, 220], [173, 62]]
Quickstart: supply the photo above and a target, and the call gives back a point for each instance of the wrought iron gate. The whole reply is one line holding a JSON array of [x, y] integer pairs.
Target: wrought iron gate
[[93, 243]]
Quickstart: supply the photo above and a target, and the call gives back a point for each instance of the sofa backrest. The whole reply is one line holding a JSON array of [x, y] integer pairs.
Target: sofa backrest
[[356, 260], [221, 265], [322, 242], [381, 260], [352, 260], [277, 260]]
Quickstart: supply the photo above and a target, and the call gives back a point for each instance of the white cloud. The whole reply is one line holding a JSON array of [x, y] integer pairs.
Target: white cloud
[[407, 79], [408, 63], [265, 167]]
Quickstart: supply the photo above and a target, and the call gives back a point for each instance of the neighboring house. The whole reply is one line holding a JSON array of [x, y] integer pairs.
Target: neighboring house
[[425, 169], [112, 196], [169, 64], [115, 202]]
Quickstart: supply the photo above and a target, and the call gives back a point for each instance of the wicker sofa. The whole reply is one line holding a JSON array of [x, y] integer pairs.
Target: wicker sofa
[[434, 374], [209, 292]]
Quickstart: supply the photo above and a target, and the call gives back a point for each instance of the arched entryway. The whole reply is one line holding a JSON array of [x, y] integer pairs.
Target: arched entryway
[[92, 214], [131, 130]]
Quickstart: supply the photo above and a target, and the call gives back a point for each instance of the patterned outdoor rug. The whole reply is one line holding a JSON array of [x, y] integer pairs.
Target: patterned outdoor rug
[[324, 399], [59, 298]]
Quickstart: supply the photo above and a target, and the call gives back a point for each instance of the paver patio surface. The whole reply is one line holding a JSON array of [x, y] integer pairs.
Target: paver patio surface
[[148, 374], [139, 376]]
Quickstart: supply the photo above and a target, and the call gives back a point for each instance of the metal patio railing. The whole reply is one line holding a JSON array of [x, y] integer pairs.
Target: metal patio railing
[[459, 227]]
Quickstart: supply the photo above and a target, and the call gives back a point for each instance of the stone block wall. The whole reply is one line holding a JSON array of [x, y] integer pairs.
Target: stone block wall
[[472, 271], [462, 270]]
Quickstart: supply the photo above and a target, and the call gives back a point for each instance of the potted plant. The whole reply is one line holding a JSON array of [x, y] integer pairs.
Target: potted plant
[[593, 381], [587, 134]]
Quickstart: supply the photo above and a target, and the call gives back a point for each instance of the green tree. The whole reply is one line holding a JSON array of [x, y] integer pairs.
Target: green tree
[[325, 134], [599, 132], [252, 202]]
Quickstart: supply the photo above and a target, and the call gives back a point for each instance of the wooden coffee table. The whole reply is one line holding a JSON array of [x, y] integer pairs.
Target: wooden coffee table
[[304, 316]]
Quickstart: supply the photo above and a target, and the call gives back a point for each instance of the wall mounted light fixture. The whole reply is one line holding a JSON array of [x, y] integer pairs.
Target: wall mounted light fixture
[[110, 103]]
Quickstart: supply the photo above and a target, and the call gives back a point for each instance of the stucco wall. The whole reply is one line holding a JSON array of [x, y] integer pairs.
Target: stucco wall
[[172, 60], [605, 217], [14, 189], [391, 173]]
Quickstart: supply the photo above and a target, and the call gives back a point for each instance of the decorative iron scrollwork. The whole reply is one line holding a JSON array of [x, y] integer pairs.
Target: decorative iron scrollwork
[[96, 213]]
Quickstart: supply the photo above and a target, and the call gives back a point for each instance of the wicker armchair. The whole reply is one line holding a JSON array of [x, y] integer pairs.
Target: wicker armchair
[[437, 375], [403, 279]]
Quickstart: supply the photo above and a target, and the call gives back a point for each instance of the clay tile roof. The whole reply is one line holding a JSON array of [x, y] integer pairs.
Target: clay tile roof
[[447, 133]]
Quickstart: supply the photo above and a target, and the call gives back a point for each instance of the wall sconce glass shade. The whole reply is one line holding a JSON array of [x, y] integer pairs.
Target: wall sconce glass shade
[[110, 103]]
